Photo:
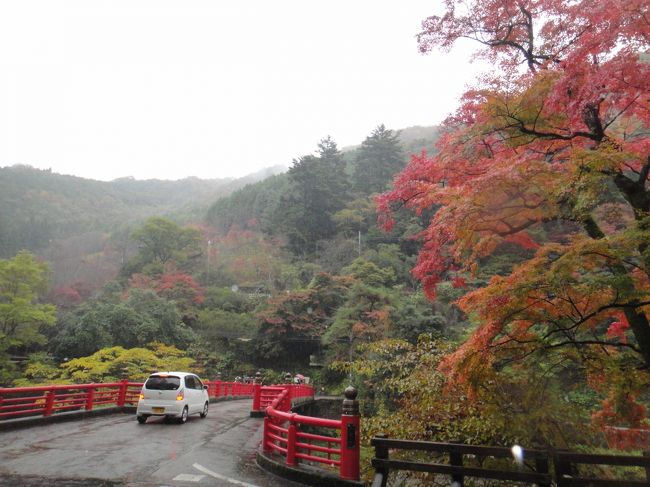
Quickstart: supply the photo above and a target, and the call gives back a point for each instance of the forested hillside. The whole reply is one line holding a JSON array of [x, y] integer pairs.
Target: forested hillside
[[369, 168], [39, 206], [292, 263]]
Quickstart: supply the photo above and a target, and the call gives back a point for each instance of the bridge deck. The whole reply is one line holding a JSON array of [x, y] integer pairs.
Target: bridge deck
[[216, 451]]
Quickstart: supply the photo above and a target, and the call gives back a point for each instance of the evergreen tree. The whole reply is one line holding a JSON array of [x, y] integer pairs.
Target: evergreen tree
[[378, 160], [318, 190]]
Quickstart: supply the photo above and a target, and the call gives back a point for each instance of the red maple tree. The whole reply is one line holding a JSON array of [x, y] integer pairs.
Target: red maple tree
[[557, 136]]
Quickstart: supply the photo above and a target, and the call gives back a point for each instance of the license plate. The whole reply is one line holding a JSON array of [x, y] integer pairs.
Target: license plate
[[158, 410]]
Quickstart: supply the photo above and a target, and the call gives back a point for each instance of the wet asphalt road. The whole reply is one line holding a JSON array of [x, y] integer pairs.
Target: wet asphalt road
[[218, 451]]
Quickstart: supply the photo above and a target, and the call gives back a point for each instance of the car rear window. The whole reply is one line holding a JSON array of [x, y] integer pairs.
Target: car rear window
[[160, 383]]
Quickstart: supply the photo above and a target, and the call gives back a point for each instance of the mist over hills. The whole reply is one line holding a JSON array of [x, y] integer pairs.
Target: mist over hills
[[82, 226], [39, 206]]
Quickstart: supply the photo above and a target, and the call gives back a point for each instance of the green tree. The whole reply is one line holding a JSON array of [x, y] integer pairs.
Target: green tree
[[415, 316], [141, 318], [22, 318], [364, 316], [225, 329], [378, 160], [162, 242], [370, 273], [291, 324], [318, 190]]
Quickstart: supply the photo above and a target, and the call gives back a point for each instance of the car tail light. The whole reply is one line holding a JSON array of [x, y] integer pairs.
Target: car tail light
[[180, 396]]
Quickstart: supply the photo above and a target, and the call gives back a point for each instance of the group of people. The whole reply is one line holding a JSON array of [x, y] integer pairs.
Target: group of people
[[297, 379]]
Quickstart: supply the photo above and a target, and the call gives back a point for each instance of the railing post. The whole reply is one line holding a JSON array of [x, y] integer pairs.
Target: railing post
[[381, 453], [265, 438], [456, 460], [49, 402], [562, 469], [90, 397], [541, 465], [350, 433], [121, 395], [257, 392], [291, 444]]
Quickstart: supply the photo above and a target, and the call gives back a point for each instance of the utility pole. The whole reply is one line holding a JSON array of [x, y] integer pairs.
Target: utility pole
[[359, 243], [209, 248]]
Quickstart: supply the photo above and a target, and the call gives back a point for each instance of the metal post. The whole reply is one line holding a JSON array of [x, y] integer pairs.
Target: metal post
[[359, 243], [350, 433]]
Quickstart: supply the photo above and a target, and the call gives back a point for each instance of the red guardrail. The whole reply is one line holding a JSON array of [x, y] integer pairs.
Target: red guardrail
[[263, 396], [19, 402], [341, 449], [283, 432]]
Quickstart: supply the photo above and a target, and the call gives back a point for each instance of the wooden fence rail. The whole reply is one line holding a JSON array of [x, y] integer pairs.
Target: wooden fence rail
[[533, 469]]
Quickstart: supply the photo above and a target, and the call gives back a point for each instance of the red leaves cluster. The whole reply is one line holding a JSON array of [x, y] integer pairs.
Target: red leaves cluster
[[556, 132], [176, 286], [617, 330], [621, 410], [504, 158], [180, 285]]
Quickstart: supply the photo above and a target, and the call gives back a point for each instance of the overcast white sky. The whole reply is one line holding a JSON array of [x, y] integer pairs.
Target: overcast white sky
[[171, 89]]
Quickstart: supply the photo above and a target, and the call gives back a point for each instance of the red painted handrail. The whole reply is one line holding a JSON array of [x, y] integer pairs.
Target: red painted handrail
[[277, 400], [282, 432], [20, 402]]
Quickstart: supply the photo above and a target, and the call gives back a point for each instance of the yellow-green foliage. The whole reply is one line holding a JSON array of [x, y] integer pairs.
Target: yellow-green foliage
[[109, 365]]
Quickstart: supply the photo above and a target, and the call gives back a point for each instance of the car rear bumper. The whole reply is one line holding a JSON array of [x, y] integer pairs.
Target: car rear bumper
[[160, 408]]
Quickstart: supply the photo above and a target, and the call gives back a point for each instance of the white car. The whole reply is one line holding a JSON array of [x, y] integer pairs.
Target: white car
[[173, 395]]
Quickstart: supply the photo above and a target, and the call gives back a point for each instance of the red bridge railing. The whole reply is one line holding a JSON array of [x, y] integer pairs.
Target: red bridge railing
[[263, 396], [19, 402], [284, 431]]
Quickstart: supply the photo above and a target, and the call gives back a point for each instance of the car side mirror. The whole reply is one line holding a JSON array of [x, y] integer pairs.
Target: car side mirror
[[205, 387]]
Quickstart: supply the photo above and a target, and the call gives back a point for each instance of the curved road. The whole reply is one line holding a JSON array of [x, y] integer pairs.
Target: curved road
[[218, 451]]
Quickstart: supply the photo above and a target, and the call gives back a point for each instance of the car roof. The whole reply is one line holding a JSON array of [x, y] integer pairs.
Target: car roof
[[181, 374]]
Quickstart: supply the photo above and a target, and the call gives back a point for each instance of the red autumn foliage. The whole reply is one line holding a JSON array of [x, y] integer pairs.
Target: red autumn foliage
[[558, 131], [65, 296], [180, 286], [617, 330]]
